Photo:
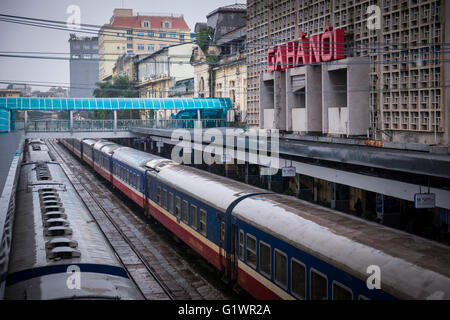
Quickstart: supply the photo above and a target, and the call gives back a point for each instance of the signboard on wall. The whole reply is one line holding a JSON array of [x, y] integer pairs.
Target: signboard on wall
[[424, 200], [319, 48], [288, 172]]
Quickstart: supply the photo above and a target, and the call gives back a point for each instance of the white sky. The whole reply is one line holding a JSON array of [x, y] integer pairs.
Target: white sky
[[14, 37]]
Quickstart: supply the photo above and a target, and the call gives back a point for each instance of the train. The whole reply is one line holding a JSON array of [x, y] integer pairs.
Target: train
[[271, 245], [57, 250]]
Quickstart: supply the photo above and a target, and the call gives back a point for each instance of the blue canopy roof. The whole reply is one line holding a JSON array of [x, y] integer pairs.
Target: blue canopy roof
[[64, 104]]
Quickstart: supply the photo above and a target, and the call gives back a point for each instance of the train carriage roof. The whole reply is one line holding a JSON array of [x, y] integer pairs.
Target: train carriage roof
[[135, 158], [219, 191], [408, 263]]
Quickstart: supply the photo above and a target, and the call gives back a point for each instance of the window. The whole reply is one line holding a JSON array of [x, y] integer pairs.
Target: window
[[151, 47], [140, 34], [129, 38], [151, 33], [193, 216], [164, 199], [140, 47], [167, 24], [280, 268], [181, 36], [158, 195], [171, 202], [203, 222], [172, 34], [129, 46], [222, 231], [264, 259], [319, 290], [340, 292], [145, 24], [241, 245], [251, 250], [162, 34], [129, 31], [177, 206], [298, 279], [184, 213]]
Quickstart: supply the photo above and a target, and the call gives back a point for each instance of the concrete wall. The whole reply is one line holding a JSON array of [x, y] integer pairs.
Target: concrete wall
[[83, 71], [299, 123], [346, 85], [266, 100]]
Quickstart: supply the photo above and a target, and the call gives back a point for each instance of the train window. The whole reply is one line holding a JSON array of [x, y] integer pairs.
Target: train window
[[341, 292], [264, 259], [281, 268], [177, 206], [164, 198], [319, 286], [158, 195], [193, 216], [203, 222], [171, 202], [222, 231], [298, 279], [241, 245], [251, 250], [184, 213]]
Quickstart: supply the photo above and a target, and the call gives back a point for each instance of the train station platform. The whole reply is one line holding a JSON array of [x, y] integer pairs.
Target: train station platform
[[9, 144]]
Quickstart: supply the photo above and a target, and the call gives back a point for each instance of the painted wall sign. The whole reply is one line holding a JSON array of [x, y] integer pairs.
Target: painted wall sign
[[424, 200], [288, 171], [324, 47]]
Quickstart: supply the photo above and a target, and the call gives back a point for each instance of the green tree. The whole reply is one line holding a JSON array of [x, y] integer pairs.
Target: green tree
[[203, 38], [120, 87]]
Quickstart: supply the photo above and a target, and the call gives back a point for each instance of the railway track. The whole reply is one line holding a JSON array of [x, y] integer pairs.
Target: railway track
[[157, 271]]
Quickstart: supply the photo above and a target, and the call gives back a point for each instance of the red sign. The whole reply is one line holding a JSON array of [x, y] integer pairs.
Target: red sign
[[319, 48]]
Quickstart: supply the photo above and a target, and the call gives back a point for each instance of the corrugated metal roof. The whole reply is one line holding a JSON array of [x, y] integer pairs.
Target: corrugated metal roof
[[61, 104]]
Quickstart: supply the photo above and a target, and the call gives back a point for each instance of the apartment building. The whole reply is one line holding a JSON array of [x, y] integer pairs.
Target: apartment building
[[389, 83], [138, 34]]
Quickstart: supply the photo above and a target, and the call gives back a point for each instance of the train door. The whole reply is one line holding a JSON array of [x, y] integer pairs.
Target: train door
[[234, 251], [221, 233]]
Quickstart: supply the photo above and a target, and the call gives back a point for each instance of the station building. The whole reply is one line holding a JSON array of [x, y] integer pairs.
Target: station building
[[388, 82]]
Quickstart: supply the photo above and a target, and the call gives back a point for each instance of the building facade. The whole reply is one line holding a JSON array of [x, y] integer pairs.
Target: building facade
[[125, 66], [10, 93], [83, 66], [220, 67], [137, 34], [159, 72], [390, 83]]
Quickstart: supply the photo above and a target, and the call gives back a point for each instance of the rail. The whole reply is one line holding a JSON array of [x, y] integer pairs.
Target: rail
[[120, 125]]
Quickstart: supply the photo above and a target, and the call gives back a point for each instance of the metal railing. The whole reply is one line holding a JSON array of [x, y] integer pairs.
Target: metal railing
[[121, 125]]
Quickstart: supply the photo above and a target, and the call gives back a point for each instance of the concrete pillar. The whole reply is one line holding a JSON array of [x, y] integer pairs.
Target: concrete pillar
[[25, 120], [71, 120], [157, 119], [279, 113], [115, 120], [266, 100], [313, 99], [199, 119]]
